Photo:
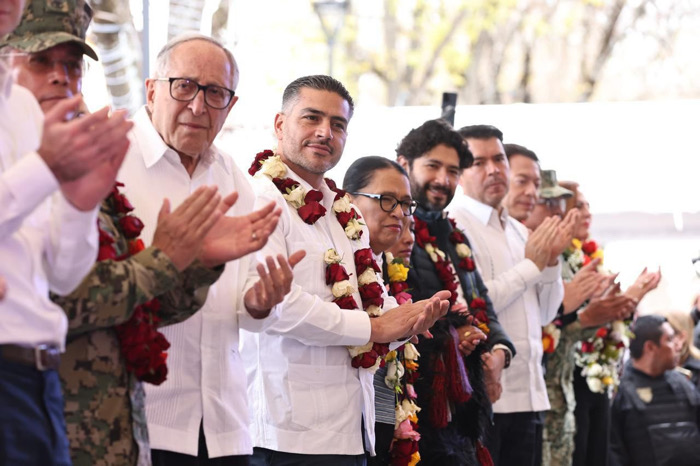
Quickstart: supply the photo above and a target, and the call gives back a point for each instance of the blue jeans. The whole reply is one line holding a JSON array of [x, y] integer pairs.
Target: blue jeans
[[265, 457], [32, 428]]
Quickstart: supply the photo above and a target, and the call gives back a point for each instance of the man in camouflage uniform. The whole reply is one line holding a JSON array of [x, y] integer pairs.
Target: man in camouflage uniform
[[104, 402]]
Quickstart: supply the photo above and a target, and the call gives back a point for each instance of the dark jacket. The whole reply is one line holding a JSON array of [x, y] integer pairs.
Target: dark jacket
[[454, 444], [655, 421]]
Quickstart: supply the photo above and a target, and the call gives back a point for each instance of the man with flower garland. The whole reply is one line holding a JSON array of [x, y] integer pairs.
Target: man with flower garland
[[54, 171], [198, 415], [310, 378], [523, 276], [451, 391]]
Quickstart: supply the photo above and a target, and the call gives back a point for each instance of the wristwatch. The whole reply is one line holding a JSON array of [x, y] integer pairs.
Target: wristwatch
[[506, 351]]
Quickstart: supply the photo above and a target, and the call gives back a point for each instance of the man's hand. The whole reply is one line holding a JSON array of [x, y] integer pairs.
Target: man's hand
[[73, 148], [646, 281], [409, 318], [273, 286], [180, 234], [493, 367], [565, 233], [3, 288], [234, 237], [539, 243], [470, 337], [582, 287], [609, 307]]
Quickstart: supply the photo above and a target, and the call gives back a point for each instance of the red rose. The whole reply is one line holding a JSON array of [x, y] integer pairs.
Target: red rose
[[313, 196], [371, 290], [397, 287], [382, 349], [311, 212], [364, 259], [136, 246], [122, 204], [285, 185], [402, 450], [346, 302], [477, 303], [586, 260], [411, 376], [365, 360], [105, 238], [345, 217], [156, 376], [602, 332], [131, 226], [379, 302], [259, 158], [333, 187], [422, 233], [481, 316], [589, 247], [106, 252], [457, 237], [587, 347], [335, 273], [467, 263]]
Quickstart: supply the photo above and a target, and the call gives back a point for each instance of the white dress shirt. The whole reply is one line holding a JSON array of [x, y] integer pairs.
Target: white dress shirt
[[524, 298], [305, 396], [45, 243], [206, 378]]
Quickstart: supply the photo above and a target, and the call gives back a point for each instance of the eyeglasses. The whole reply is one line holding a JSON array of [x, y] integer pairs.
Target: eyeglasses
[[388, 203], [553, 203], [41, 63], [185, 90]]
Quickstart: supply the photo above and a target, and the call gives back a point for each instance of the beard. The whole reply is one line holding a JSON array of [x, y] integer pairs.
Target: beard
[[420, 194]]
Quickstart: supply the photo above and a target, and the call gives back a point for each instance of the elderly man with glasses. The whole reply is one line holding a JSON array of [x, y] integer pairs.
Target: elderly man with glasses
[[199, 414]]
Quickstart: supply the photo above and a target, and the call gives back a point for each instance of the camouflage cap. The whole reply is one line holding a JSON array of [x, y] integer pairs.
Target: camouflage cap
[[550, 188], [47, 23]]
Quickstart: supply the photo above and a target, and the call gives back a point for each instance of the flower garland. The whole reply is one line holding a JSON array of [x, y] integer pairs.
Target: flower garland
[[141, 344], [445, 271], [402, 372], [308, 206], [600, 356]]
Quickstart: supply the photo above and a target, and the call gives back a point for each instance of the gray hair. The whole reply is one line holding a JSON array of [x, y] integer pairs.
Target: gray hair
[[163, 59], [318, 82]]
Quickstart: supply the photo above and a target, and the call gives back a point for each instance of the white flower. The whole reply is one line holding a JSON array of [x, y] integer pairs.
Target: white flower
[[342, 288], [375, 367], [274, 167], [463, 250], [394, 372], [353, 229], [429, 248], [374, 311], [594, 384], [295, 197], [332, 257], [410, 352], [389, 257], [342, 204], [410, 407], [619, 327], [367, 277], [357, 350], [594, 370]]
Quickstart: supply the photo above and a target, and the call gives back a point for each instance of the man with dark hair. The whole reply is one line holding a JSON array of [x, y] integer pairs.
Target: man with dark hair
[[523, 276], [451, 423], [524, 181], [310, 373], [656, 412]]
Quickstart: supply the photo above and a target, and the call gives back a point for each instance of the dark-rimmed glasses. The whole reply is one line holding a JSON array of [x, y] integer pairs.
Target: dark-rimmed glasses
[[185, 90], [388, 203]]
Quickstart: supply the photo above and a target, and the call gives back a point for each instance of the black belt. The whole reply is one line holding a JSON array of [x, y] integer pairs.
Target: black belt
[[42, 357]]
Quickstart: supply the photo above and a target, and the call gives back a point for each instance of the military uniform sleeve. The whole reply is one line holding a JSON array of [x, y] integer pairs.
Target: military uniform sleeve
[[112, 289], [189, 293]]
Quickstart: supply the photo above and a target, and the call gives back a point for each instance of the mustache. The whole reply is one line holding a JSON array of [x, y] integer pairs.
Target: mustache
[[438, 187]]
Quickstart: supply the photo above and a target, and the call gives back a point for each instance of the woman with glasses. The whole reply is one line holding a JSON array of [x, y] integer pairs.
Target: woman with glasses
[[379, 187]]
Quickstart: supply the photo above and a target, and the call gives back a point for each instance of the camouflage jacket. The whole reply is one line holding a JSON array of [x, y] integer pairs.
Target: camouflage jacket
[[104, 404]]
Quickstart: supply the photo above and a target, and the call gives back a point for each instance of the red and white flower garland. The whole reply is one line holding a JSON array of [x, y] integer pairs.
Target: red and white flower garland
[[141, 344], [308, 206]]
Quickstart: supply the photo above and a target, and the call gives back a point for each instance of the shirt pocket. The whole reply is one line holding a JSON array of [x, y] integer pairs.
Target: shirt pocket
[[323, 398]]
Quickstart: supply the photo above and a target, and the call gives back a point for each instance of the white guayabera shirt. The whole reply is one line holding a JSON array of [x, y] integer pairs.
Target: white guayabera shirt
[[305, 397], [206, 378], [45, 243], [524, 298]]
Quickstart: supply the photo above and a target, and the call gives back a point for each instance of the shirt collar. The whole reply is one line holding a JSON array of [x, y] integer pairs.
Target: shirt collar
[[154, 148], [484, 213]]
